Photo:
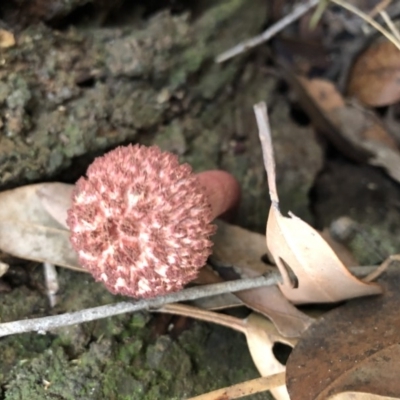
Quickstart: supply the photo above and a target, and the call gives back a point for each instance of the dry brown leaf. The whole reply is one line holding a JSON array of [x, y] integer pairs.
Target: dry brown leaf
[[354, 348], [260, 333], [28, 231], [239, 247], [218, 302], [375, 77], [344, 254], [314, 97], [261, 337], [242, 249], [7, 39], [56, 199], [324, 92], [299, 249], [356, 132]]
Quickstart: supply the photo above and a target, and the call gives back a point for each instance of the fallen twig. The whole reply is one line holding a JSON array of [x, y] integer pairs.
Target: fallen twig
[[393, 28], [44, 324], [297, 12], [382, 268], [41, 325], [346, 5], [379, 8]]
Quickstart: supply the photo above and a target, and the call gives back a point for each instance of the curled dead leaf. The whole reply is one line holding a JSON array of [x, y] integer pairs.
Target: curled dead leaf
[[240, 251], [375, 77], [356, 132], [261, 336], [311, 271]]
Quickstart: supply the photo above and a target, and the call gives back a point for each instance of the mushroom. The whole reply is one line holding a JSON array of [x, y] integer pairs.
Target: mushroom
[[141, 222]]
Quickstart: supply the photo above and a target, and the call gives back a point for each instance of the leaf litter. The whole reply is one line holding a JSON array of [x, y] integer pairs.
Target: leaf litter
[[241, 251], [375, 77], [28, 231], [353, 348], [299, 250], [356, 132], [261, 336], [48, 204]]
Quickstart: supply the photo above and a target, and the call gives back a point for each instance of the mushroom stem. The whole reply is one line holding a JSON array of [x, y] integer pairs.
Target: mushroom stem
[[222, 191]]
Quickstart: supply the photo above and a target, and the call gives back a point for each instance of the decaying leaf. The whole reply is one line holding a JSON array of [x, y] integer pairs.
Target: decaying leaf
[[354, 348], [260, 333], [344, 254], [375, 77], [28, 231], [56, 199], [356, 132], [241, 250], [218, 302], [261, 337], [311, 271]]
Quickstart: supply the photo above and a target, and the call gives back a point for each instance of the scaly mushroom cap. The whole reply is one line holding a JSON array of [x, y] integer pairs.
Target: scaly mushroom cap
[[140, 222]]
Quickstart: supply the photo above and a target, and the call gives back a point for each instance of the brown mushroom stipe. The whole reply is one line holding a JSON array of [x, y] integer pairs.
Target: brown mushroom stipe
[[140, 222]]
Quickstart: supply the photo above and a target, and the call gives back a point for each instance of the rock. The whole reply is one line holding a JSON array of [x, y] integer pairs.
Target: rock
[[78, 92]]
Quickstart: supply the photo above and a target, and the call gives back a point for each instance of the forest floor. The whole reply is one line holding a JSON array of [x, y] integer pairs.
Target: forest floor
[[83, 78]]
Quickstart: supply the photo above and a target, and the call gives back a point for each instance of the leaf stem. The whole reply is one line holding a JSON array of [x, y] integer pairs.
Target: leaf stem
[[264, 129], [274, 29]]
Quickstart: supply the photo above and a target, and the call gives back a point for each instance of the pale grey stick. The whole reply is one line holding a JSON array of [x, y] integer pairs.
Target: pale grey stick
[[41, 325], [297, 12]]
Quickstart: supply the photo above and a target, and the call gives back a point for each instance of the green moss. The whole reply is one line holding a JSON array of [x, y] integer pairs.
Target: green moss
[[22, 348], [129, 350], [373, 243], [205, 151], [51, 375], [75, 145], [118, 384]]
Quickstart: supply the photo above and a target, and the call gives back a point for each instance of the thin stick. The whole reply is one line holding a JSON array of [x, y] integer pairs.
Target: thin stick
[[245, 389], [390, 24], [368, 19], [379, 8], [204, 315], [377, 272], [264, 129], [41, 325], [297, 12]]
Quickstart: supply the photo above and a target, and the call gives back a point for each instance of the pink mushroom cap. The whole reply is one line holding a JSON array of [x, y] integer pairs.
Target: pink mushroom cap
[[141, 222]]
